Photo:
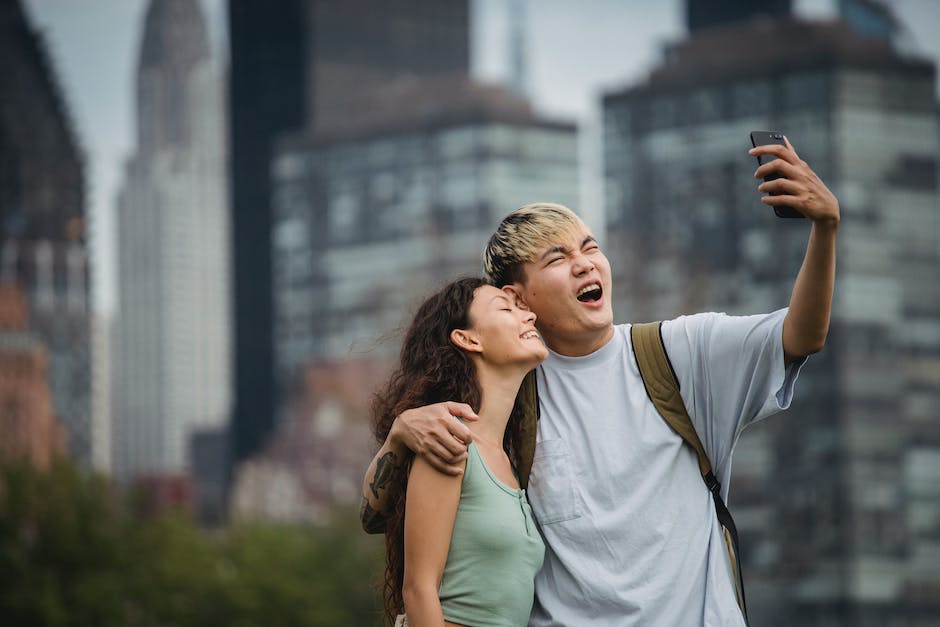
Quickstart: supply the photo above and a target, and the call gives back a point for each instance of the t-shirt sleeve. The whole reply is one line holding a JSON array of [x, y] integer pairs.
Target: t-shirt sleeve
[[731, 373]]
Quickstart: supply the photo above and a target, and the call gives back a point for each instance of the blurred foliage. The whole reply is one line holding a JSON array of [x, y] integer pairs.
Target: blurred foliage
[[74, 551]]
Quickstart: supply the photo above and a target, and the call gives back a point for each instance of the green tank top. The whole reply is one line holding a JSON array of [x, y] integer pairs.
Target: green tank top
[[495, 551]]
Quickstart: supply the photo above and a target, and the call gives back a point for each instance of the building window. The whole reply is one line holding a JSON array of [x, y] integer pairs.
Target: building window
[[344, 215], [805, 91], [705, 105], [750, 99], [664, 112]]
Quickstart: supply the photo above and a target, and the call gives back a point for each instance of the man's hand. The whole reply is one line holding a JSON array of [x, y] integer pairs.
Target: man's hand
[[799, 188], [806, 325], [434, 433]]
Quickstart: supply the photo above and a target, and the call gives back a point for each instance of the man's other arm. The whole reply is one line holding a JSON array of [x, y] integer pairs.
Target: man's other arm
[[807, 322]]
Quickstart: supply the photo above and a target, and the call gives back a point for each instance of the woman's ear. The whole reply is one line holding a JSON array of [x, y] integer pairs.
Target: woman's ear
[[466, 340], [514, 292]]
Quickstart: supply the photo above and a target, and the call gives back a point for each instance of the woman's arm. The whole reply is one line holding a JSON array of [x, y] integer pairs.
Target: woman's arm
[[430, 511], [433, 434], [385, 468]]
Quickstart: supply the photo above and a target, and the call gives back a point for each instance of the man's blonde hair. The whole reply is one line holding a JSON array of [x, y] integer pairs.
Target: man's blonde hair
[[523, 233]]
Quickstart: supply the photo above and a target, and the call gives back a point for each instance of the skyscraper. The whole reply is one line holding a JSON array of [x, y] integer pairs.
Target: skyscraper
[[704, 14], [266, 97], [402, 151], [837, 515], [356, 48], [30, 429], [367, 222], [43, 246], [172, 328], [316, 66]]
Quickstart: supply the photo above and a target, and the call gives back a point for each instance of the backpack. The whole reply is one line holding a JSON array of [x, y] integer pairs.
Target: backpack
[[662, 387]]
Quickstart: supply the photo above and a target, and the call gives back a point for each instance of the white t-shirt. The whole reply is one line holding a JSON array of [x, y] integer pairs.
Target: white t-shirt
[[630, 529]]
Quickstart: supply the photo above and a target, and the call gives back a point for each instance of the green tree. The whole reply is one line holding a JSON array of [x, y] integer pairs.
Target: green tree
[[60, 545], [302, 575], [73, 551]]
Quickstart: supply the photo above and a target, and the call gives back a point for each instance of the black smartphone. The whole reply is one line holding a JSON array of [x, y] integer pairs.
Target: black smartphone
[[761, 138]]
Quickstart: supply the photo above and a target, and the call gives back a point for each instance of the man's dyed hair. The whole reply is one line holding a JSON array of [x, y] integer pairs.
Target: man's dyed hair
[[523, 233]]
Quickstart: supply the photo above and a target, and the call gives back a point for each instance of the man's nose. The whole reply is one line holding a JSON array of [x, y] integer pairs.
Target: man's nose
[[581, 264]]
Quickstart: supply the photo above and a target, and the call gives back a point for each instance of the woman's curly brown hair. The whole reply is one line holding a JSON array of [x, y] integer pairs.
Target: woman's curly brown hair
[[431, 370]]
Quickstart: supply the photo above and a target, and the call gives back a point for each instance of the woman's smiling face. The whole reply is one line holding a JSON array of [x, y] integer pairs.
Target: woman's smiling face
[[501, 332]]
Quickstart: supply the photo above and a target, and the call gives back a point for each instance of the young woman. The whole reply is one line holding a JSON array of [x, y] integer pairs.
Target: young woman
[[463, 550]]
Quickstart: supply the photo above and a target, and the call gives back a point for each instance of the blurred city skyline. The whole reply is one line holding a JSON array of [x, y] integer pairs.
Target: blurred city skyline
[[94, 48], [259, 226]]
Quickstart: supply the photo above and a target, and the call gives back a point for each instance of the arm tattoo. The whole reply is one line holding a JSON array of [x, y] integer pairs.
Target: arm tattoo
[[372, 521], [385, 470]]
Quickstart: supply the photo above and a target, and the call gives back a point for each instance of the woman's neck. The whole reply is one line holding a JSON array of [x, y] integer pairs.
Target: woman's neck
[[498, 395]]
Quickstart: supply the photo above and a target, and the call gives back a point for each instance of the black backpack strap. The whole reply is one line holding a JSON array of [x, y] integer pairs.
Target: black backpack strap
[[662, 386]]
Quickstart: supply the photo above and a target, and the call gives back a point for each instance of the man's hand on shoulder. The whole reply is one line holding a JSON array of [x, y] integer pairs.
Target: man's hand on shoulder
[[434, 433]]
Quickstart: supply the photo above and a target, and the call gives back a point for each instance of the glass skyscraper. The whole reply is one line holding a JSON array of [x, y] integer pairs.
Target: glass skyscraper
[[838, 514]]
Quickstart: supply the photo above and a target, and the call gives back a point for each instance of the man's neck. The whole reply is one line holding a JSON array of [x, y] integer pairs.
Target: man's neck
[[580, 345]]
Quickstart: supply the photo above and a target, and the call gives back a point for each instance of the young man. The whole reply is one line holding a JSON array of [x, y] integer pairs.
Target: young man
[[631, 532]]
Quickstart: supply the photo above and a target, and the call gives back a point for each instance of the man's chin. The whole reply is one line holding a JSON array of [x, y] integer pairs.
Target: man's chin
[[600, 320], [598, 325]]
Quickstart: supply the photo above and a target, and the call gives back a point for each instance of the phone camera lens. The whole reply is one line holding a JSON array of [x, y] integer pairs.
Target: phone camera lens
[[777, 136]]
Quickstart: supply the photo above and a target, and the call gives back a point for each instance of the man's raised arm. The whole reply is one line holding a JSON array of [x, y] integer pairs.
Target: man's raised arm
[[807, 323], [433, 432]]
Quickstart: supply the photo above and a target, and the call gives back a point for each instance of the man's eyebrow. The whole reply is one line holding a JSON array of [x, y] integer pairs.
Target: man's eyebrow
[[555, 249], [588, 240]]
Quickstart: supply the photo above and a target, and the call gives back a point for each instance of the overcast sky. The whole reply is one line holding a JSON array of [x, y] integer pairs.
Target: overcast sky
[[575, 50]]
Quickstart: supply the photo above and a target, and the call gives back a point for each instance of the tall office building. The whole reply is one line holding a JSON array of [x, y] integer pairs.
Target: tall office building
[[704, 14], [836, 500], [172, 328], [266, 97], [43, 245], [404, 167], [30, 429], [356, 48], [316, 66], [365, 224], [101, 393]]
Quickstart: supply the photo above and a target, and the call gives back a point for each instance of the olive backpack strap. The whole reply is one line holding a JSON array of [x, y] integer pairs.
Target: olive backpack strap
[[662, 386], [528, 397]]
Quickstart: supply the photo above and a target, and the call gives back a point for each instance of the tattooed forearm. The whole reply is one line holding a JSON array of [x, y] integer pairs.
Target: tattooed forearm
[[372, 521], [385, 470]]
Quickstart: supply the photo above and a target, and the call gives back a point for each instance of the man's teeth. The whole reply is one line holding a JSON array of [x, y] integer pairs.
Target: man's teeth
[[529, 335], [589, 288]]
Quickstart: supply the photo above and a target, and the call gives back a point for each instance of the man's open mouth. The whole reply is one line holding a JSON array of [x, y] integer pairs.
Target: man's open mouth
[[590, 293]]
